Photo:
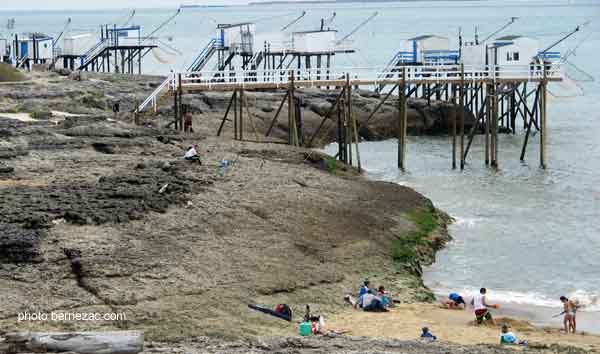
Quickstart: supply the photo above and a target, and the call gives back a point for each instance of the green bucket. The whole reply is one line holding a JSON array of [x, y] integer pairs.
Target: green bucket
[[305, 329]]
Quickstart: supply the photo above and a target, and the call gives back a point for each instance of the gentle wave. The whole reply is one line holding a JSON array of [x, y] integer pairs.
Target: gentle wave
[[589, 302]]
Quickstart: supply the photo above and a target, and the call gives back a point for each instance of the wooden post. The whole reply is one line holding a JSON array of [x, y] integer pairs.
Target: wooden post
[[340, 129], [495, 127], [402, 121], [462, 116], [453, 131], [293, 131], [180, 103], [543, 120], [235, 116], [488, 112], [175, 108], [241, 117], [353, 121]]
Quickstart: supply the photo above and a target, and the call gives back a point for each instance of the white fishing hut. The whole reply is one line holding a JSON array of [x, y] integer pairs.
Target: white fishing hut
[[314, 41], [32, 47], [79, 44], [506, 50], [3, 50], [236, 38], [426, 49]]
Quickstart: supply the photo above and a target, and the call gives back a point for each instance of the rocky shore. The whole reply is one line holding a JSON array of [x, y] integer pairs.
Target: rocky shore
[[101, 215]]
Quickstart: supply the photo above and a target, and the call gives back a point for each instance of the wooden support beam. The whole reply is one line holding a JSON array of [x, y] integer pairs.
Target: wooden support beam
[[402, 121], [235, 117], [327, 115], [233, 96], [453, 133], [479, 118], [543, 97], [180, 103], [277, 113], [241, 116], [488, 113], [462, 117], [495, 126], [353, 121]]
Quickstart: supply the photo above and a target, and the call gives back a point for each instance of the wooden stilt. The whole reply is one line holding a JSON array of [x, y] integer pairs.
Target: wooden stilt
[[543, 117], [226, 113], [353, 121], [462, 116], [454, 133], [241, 116], [488, 113], [402, 121], [495, 127], [235, 117], [277, 113]]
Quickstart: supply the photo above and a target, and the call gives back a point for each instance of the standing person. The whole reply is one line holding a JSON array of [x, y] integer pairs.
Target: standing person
[[569, 310], [481, 306], [188, 120]]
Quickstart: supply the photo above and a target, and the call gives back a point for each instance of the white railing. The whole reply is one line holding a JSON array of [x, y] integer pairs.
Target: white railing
[[158, 93], [424, 73]]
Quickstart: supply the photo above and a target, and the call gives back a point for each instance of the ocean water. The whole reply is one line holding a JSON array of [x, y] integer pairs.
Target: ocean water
[[526, 234]]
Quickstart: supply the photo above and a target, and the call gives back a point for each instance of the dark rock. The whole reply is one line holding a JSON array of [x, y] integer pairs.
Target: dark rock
[[104, 148]]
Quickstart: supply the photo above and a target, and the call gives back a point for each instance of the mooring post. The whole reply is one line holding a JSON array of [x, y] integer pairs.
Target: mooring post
[[353, 121], [543, 121], [235, 115], [241, 107], [462, 116], [293, 101], [402, 121], [453, 130], [488, 112], [495, 127], [175, 107], [339, 134], [180, 102]]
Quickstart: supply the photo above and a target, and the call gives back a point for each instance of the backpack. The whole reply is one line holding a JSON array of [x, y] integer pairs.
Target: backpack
[[284, 309]]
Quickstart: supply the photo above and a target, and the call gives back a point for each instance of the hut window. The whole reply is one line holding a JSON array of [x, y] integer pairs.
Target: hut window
[[516, 56], [508, 56]]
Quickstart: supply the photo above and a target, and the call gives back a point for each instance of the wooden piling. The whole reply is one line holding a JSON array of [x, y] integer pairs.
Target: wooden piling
[[543, 98], [402, 121], [353, 121], [235, 116], [488, 112], [453, 132], [180, 103], [241, 116], [462, 116], [495, 127]]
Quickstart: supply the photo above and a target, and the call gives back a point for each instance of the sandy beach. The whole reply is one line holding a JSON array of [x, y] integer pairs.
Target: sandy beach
[[405, 321]]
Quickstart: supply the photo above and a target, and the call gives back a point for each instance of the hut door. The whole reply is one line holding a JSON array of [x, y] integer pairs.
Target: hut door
[[24, 50]]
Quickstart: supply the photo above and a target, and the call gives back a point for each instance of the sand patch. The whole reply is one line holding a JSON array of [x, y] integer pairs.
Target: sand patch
[[8, 183], [405, 322]]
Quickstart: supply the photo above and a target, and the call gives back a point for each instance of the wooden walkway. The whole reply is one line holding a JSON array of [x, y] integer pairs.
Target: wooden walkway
[[495, 95]]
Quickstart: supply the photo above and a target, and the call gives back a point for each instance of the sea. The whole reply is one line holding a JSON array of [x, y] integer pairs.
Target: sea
[[528, 235]]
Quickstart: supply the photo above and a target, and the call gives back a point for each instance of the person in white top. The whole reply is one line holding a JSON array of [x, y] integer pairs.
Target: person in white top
[[481, 306], [192, 154]]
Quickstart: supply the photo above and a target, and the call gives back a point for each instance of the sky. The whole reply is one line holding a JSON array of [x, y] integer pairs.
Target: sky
[[89, 4]]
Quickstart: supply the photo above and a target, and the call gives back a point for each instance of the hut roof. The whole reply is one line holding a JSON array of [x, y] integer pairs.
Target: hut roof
[[425, 36], [509, 37]]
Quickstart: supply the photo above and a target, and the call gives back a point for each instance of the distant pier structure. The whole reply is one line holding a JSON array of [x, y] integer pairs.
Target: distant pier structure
[[240, 47], [119, 50]]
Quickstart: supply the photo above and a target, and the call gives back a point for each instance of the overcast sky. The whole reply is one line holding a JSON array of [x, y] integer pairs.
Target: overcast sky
[[90, 4]]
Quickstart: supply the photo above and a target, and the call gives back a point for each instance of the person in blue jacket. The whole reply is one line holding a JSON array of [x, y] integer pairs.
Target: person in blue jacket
[[454, 302]]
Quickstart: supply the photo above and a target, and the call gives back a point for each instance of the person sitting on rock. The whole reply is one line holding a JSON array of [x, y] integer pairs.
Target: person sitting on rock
[[192, 154]]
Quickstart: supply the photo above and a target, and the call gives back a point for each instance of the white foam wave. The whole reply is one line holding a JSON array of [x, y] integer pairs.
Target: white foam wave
[[465, 222], [589, 302]]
